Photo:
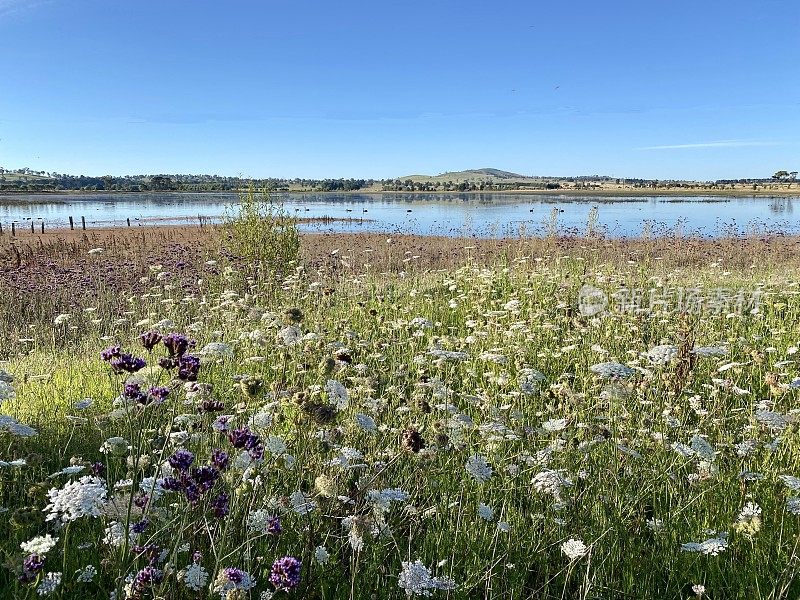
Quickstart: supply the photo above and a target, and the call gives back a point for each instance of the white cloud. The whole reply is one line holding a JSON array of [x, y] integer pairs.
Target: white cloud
[[720, 144]]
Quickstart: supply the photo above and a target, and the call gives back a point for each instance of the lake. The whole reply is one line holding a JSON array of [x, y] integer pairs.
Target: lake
[[449, 214]]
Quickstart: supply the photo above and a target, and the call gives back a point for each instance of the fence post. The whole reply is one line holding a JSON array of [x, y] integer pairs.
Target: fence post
[[32, 231], [13, 229], [71, 224], [83, 222], [1, 229], [129, 221], [43, 226]]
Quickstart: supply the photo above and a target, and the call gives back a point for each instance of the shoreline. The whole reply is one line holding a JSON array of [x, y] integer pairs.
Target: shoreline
[[610, 193]]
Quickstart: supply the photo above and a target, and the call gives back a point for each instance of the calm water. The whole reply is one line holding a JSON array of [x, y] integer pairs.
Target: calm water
[[483, 215]]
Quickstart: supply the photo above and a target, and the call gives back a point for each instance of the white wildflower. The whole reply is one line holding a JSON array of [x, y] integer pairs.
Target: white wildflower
[[337, 394], [416, 580], [82, 498], [712, 546], [194, 577], [612, 370], [301, 504], [485, 512], [662, 355], [14, 427], [479, 468], [574, 549], [40, 545], [289, 336], [87, 574], [321, 555], [49, 584]]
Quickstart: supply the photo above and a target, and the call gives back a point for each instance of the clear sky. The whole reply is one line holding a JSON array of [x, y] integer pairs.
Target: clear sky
[[699, 89]]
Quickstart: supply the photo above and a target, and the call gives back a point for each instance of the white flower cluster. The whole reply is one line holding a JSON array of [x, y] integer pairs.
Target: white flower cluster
[[416, 580], [49, 584], [574, 549], [40, 545], [194, 577], [662, 355], [612, 370], [712, 546], [479, 468], [82, 498], [14, 427], [550, 482], [337, 394], [301, 504], [381, 500]]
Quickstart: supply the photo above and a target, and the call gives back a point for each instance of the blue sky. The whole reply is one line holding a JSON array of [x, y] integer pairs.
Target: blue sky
[[700, 89]]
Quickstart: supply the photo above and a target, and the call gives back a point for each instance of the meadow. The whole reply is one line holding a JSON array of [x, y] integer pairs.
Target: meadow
[[241, 412]]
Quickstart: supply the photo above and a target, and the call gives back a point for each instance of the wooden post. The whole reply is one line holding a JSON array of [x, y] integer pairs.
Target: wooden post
[[71, 224], [1, 229], [13, 228], [129, 221], [32, 231], [83, 223], [43, 226]]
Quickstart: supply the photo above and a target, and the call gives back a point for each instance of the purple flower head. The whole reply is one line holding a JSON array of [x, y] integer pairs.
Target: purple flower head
[[205, 477], [149, 551], [274, 525], [221, 506], [157, 394], [132, 391], [31, 567], [285, 573], [241, 438], [127, 362], [141, 500], [110, 352], [181, 460], [171, 484], [149, 339], [167, 363], [178, 344], [98, 468], [140, 526], [234, 575], [197, 556], [146, 578], [220, 459], [188, 367]]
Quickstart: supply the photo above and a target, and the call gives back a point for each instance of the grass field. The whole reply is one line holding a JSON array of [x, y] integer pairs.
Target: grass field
[[398, 416]]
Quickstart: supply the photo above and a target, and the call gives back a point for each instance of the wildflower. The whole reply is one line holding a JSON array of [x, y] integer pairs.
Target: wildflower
[[127, 363], [485, 512], [146, 578], [301, 504], [710, 351], [366, 422], [321, 555], [61, 319], [14, 427], [416, 580], [49, 584], [793, 483], [290, 335], [712, 546], [110, 352], [662, 355], [150, 339], [550, 482], [574, 549], [220, 459], [793, 505], [612, 370], [285, 573], [193, 577], [748, 522], [83, 404], [221, 505], [337, 394], [698, 589], [216, 351], [412, 441], [188, 367], [181, 460], [479, 468], [39, 545], [115, 446], [31, 567], [177, 344], [6, 391], [382, 500], [230, 579], [773, 420], [87, 574], [77, 499], [554, 425]]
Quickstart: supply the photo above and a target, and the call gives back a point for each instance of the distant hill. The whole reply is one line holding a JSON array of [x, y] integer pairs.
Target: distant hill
[[470, 175]]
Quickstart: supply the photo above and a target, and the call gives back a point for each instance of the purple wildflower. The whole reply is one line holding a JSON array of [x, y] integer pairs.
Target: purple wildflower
[[285, 573], [146, 578], [220, 459], [31, 567], [235, 575], [127, 362], [188, 367], [205, 477], [211, 405], [274, 525], [158, 394], [140, 526], [98, 468], [181, 460], [178, 344], [221, 505], [167, 363], [149, 339], [110, 352]]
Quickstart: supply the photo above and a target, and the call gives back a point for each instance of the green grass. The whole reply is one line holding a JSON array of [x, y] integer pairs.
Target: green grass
[[616, 446]]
